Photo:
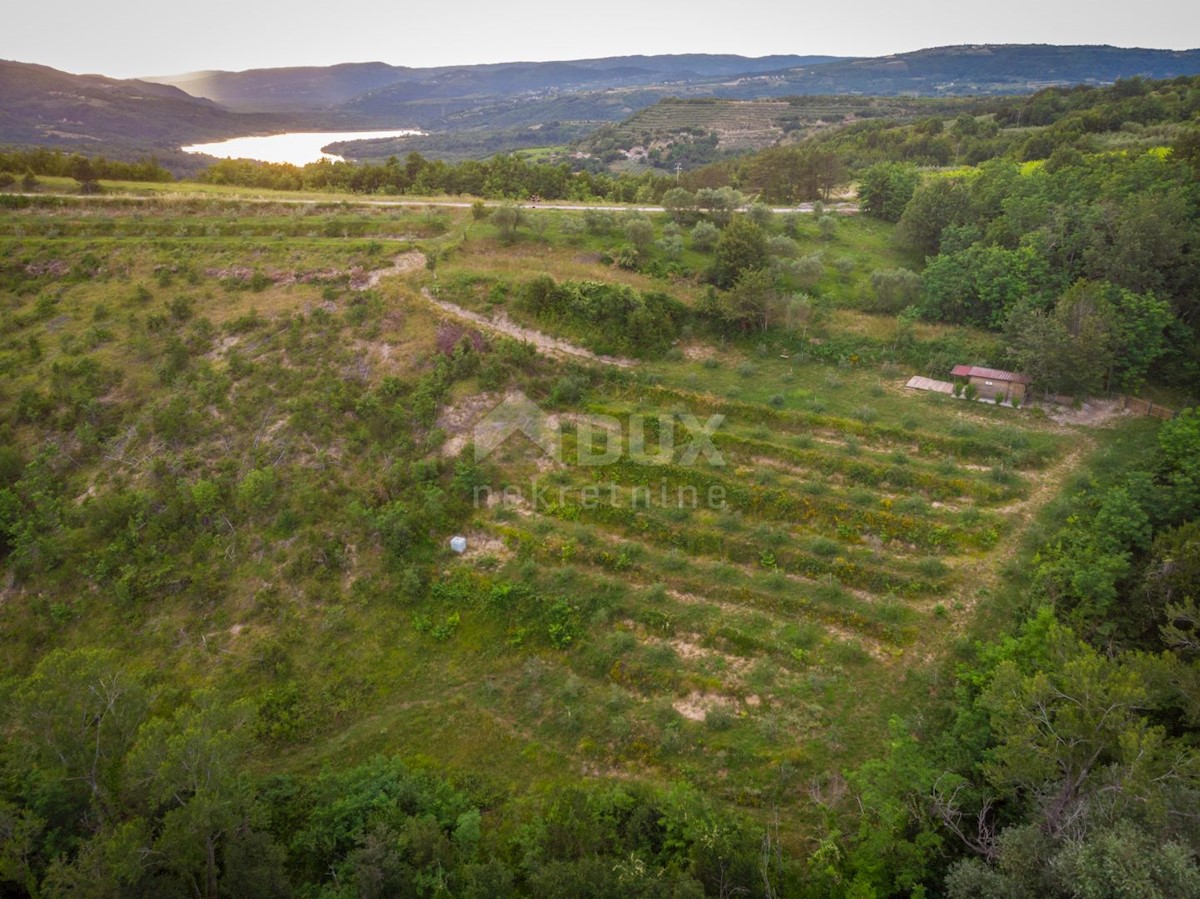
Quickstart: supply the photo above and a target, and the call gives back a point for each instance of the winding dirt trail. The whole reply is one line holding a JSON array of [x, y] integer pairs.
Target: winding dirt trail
[[414, 260], [551, 346]]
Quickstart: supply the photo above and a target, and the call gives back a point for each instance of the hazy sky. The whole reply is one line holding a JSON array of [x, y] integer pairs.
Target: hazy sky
[[137, 37]]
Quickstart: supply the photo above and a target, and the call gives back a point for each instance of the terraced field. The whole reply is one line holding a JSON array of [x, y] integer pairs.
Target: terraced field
[[740, 124], [262, 452], [839, 554]]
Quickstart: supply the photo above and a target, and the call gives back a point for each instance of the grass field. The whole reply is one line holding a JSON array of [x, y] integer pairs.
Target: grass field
[[225, 423]]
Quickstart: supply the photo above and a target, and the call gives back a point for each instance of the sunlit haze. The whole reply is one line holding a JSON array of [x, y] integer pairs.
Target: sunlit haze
[[126, 38]]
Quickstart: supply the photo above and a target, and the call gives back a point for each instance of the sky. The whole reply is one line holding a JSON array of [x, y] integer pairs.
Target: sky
[[127, 38]]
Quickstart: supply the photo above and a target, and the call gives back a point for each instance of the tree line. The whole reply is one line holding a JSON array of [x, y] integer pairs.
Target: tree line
[[55, 163], [1088, 263]]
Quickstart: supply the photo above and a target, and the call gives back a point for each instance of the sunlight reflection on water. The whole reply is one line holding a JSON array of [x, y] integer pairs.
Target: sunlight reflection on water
[[296, 147]]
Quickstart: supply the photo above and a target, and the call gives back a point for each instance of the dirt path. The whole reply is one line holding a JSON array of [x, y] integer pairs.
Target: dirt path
[[839, 208], [551, 346], [414, 260]]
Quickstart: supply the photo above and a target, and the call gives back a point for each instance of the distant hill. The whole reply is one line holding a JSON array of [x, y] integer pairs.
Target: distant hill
[[965, 70], [466, 107], [287, 90], [378, 87], [43, 106], [609, 89]]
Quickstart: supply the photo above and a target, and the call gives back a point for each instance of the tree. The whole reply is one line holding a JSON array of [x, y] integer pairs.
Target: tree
[[705, 236], [720, 203], [885, 189], [1179, 463], [84, 175], [1139, 324], [741, 247], [507, 218], [753, 301], [598, 221], [77, 715], [640, 232], [895, 289], [1140, 241], [190, 766], [680, 204], [761, 214], [980, 285], [1086, 318], [791, 174], [935, 205]]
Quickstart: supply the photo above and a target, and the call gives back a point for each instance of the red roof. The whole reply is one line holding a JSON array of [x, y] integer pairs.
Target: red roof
[[988, 374]]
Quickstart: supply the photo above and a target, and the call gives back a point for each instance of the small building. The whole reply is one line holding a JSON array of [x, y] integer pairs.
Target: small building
[[991, 383]]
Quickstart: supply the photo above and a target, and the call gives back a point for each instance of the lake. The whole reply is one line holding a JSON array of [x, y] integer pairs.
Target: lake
[[296, 147]]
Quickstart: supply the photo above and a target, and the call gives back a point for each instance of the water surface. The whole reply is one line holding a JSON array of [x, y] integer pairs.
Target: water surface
[[296, 147]]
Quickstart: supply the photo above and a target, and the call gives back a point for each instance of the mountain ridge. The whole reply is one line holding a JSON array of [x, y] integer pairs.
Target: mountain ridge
[[159, 114]]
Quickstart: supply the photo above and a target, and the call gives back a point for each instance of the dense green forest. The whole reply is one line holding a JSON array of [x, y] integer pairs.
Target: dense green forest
[[932, 648]]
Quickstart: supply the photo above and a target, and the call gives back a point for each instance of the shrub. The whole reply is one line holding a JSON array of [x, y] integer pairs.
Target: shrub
[[598, 221], [640, 232], [704, 236], [895, 289], [823, 546], [719, 718], [782, 247], [761, 214]]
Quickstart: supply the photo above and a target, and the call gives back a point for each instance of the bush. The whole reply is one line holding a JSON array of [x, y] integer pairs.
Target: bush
[[598, 221], [614, 317], [782, 247], [640, 232], [704, 236], [895, 289], [761, 214]]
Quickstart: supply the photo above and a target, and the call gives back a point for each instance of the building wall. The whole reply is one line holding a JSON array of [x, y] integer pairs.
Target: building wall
[[1009, 390]]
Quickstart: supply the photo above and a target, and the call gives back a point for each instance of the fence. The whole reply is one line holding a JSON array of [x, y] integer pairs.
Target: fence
[[1145, 407]]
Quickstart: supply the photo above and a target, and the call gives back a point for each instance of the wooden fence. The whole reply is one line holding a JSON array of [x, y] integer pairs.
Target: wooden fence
[[1145, 407]]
